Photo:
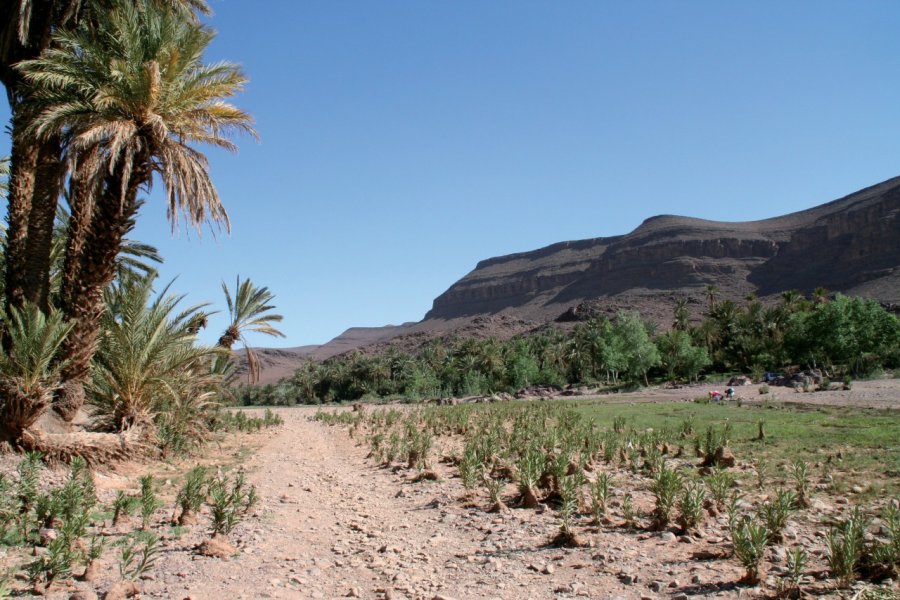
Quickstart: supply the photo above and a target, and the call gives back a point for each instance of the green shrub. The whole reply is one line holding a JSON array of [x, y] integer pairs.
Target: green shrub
[[775, 513], [846, 546], [749, 541], [666, 488]]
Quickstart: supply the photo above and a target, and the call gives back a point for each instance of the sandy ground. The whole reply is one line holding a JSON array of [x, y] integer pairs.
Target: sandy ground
[[332, 524]]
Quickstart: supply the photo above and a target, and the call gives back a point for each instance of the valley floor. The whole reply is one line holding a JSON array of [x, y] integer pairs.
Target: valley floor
[[332, 524]]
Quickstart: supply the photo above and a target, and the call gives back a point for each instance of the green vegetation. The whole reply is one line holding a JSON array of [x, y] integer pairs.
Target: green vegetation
[[844, 337], [64, 528], [550, 456]]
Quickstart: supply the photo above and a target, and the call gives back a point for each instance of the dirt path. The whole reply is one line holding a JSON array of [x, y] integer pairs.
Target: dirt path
[[332, 525]]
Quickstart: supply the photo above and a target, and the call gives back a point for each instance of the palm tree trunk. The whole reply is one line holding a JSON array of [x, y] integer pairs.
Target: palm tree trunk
[[81, 199], [82, 299], [21, 190], [47, 187]]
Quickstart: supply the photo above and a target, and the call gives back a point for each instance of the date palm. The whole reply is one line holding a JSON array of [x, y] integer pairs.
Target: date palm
[[27, 29], [249, 310], [148, 368], [130, 98], [28, 374]]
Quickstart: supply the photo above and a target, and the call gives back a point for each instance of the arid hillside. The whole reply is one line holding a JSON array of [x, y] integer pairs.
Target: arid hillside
[[850, 245]]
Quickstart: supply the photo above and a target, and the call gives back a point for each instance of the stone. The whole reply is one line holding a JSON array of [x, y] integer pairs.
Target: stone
[[122, 590], [217, 547], [667, 536]]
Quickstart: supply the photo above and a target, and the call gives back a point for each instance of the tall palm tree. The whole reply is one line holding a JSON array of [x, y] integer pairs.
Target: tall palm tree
[[26, 30], [129, 98], [249, 310]]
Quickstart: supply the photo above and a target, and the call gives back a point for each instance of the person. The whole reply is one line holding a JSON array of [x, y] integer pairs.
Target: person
[[729, 393], [715, 395]]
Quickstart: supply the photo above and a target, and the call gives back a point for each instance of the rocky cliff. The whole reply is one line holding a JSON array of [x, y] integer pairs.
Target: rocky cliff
[[851, 245]]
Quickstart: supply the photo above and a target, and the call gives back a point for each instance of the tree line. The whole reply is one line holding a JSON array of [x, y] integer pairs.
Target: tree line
[[842, 335]]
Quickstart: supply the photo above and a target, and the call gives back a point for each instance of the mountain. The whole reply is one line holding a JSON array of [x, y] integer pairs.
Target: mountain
[[277, 363], [850, 245]]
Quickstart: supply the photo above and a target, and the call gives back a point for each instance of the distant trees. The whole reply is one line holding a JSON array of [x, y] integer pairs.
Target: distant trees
[[856, 333], [843, 334]]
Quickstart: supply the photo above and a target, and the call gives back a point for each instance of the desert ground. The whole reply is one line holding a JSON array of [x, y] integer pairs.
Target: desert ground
[[332, 524]]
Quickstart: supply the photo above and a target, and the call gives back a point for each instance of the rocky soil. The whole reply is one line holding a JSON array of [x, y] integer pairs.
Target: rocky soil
[[331, 524]]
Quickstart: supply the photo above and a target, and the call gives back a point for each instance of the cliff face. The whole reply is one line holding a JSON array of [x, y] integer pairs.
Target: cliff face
[[851, 245]]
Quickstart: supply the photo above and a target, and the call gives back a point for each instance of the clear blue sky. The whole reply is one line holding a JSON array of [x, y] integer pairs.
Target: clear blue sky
[[402, 142]]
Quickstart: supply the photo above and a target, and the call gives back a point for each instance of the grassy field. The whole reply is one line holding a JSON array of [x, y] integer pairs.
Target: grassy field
[[855, 446]]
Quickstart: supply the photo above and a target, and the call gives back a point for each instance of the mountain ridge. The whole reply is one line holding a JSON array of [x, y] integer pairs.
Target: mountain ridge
[[849, 245]]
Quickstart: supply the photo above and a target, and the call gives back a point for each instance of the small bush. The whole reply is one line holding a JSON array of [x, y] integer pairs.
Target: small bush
[[666, 488], [749, 541], [149, 503], [230, 500], [775, 513], [192, 494], [691, 506], [846, 546]]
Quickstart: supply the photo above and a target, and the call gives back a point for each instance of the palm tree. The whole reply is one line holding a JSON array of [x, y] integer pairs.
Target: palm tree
[[130, 98], [820, 296], [28, 374], [38, 170], [148, 370], [682, 316], [249, 310]]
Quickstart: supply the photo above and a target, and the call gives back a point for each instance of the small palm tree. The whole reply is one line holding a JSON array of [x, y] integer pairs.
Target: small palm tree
[[148, 369], [28, 375], [249, 310]]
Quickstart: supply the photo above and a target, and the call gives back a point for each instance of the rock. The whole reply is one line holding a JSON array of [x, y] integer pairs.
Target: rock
[[548, 569], [657, 586], [724, 457], [47, 535], [857, 489], [667, 536], [628, 578], [83, 595], [122, 590], [442, 597], [217, 547], [740, 380]]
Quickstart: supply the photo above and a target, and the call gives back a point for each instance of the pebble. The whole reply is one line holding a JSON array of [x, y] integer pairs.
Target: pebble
[[667, 536]]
